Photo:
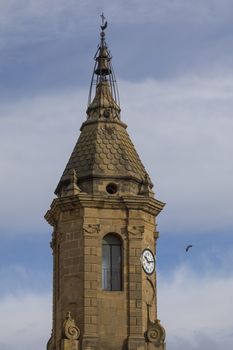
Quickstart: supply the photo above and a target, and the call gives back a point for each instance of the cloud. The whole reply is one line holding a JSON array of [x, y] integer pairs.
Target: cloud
[[196, 309], [40, 48], [36, 20], [32, 21], [37, 136], [25, 321], [181, 129], [23, 279], [179, 11]]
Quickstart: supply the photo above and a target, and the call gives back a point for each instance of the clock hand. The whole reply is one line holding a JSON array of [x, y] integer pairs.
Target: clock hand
[[149, 261]]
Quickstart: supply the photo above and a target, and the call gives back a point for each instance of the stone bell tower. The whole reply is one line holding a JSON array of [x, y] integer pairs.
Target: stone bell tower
[[104, 233]]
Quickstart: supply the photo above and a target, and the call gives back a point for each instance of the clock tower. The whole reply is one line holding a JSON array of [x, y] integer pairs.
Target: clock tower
[[104, 233]]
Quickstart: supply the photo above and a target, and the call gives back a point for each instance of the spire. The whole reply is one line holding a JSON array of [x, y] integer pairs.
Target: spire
[[104, 152], [105, 103]]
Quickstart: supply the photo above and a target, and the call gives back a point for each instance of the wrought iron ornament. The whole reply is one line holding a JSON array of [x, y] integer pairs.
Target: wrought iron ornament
[[103, 70]]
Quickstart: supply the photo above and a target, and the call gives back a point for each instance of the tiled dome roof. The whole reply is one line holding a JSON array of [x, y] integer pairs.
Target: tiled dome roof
[[104, 149]]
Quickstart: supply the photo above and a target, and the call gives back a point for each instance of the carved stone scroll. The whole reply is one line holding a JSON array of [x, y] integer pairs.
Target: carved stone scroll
[[155, 332], [71, 334], [70, 330]]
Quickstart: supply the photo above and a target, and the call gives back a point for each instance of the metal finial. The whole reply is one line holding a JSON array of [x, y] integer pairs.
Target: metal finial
[[103, 18], [104, 23], [103, 76]]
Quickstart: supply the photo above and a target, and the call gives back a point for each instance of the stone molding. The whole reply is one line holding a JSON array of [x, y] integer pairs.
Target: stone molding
[[147, 204], [136, 231], [91, 229]]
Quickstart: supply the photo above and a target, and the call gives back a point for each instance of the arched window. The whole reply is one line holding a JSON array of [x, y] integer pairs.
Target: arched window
[[111, 263]]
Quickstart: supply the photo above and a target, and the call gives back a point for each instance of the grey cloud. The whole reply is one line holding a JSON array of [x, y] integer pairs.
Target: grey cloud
[[34, 21], [37, 137], [20, 280], [25, 321], [201, 341], [121, 12], [181, 129], [196, 309], [43, 49], [183, 132]]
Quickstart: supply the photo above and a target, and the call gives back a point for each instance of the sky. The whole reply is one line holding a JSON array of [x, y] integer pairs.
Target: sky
[[174, 67]]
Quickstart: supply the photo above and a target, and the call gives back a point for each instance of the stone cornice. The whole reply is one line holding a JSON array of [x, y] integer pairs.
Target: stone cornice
[[147, 204], [104, 122]]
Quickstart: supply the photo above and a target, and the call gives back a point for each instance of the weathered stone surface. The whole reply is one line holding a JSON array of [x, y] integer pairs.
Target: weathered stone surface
[[104, 190], [104, 149], [103, 105], [69, 344]]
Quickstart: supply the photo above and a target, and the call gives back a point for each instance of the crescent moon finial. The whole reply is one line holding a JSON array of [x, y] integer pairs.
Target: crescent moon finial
[[104, 23]]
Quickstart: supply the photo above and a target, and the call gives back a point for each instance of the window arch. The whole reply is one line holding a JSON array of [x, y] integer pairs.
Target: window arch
[[111, 263]]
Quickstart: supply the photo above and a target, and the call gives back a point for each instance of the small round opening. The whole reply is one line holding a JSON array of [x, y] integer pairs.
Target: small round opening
[[106, 113], [111, 188]]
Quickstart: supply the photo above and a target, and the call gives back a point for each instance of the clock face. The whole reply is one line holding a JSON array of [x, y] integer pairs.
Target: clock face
[[148, 261]]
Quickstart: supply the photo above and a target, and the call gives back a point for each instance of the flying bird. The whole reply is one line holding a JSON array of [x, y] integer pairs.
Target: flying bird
[[188, 247]]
